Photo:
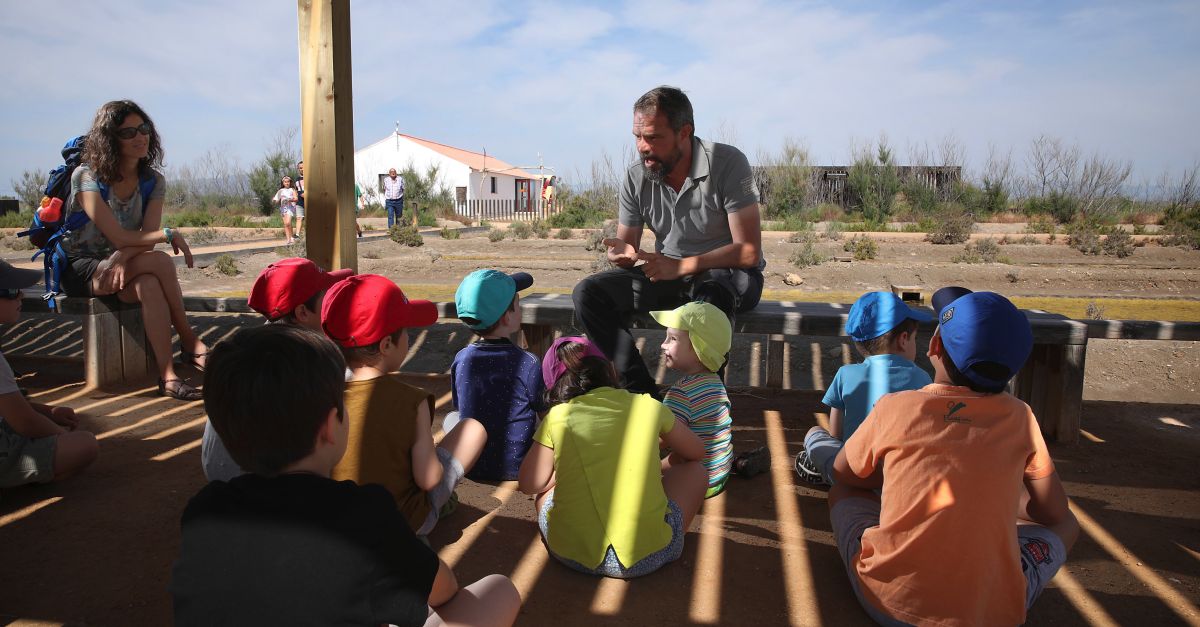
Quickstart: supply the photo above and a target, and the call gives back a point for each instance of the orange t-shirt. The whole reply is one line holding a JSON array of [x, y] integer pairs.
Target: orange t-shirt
[[945, 551]]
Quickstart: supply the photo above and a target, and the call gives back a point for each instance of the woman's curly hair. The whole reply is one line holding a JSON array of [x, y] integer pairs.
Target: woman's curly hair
[[583, 374], [102, 148]]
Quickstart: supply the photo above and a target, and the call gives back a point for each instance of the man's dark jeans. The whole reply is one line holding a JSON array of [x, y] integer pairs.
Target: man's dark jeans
[[395, 211], [606, 301]]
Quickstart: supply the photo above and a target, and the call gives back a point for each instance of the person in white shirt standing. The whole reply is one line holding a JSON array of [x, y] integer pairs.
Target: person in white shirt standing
[[393, 197]]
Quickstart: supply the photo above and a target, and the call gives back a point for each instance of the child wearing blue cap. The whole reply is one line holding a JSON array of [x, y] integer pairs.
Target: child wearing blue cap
[[975, 521], [884, 330], [493, 380]]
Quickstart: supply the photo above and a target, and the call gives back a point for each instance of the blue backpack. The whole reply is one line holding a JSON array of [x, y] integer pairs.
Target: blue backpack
[[47, 234]]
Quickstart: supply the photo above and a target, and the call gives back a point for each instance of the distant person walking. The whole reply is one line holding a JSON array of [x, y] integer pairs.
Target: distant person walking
[[393, 197], [287, 198], [300, 198], [548, 194]]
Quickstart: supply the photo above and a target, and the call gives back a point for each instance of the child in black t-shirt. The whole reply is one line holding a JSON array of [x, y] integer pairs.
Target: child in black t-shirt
[[286, 544]]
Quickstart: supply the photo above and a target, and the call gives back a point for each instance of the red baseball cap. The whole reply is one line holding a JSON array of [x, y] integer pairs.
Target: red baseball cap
[[286, 284], [364, 308]]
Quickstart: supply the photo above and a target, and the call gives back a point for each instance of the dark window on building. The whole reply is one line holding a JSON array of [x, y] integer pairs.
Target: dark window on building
[[493, 185]]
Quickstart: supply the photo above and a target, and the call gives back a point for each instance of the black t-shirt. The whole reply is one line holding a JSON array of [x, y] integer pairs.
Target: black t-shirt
[[299, 550]]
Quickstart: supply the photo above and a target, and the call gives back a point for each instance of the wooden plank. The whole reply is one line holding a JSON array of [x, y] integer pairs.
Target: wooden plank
[[1070, 416], [102, 350], [327, 127], [776, 360], [537, 338], [134, 348]]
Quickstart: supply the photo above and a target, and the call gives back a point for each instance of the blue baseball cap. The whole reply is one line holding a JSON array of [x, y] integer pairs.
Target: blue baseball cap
[[945, 296], [876, 313], [485, 295], [985, 327]]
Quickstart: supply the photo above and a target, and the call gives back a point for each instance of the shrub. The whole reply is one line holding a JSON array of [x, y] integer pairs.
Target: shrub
[[872, 183], [449, 233], [595, 239], [1061, 207], [1178, 234], [227, 265], [406, 235], [1084, 236], [952, 225], [1094, 311], [295, 249], [16, 220], [788, 222], [862, 246], [426, 218], [203, 235], [833, 230], [1139, 229], [980, 251], [806, 256], [1041, 224], [541, 229], [565, 233], [520, 230], [584, 210], [1119, 243], [371, 254], [802, 237], [495, 235], [922, 198]]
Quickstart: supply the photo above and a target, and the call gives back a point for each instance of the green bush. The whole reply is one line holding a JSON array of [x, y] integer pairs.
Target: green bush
[[872, 184], [985, 250], [862, 246], [520, 230], [1084, 236], [1041, 224], [565, 234], [371, 254], [227, 265], [788, 222], [801, 237], [1118, 243], [922, 199], [540, 228], [1060, 207], [406, 235], [203, 235], [868, 226], [583, 210], [833, 230], [1179, 234], [806, 256], [449, 233], [16, 220], [495, 235], [951, 225]]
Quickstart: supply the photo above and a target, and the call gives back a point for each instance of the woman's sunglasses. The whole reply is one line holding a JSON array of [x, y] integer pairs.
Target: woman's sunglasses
[[129, 131], [9, 293]]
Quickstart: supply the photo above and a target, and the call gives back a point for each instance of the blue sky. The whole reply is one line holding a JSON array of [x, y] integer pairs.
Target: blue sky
[[558, 78]]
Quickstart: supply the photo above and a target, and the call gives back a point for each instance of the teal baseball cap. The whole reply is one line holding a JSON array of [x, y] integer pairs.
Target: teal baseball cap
[[484, 296], [876, 313]]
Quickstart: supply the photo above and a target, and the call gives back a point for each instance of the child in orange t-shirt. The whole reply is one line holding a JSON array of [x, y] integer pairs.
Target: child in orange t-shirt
[[973, 521]]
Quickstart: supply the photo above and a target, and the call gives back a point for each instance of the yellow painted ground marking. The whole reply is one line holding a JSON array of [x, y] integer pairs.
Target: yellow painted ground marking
[[797, 570], [451, 553], [706, 577], [1089, 609], [178, 450], [1169, 595], [8, 519]]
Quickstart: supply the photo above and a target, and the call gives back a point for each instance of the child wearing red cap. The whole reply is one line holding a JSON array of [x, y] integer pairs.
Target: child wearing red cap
[[391, 440], [289, 291]]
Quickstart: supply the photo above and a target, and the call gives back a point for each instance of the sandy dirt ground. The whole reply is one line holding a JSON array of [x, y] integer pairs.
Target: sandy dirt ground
[[98, 550]]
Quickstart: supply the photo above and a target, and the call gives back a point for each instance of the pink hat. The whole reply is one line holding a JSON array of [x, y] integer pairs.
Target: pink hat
[[553, 367]]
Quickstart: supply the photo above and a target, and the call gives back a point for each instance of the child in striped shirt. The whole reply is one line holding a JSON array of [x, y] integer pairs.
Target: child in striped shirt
[[698, 338]]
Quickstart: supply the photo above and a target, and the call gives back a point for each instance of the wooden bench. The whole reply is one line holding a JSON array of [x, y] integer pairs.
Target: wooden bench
[[115, 348]]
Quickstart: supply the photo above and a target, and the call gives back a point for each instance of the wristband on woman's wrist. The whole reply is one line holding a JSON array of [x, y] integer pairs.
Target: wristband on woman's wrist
[[167, 232]]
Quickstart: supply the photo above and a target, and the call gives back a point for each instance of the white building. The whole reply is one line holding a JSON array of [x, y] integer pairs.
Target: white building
[[469, 175]]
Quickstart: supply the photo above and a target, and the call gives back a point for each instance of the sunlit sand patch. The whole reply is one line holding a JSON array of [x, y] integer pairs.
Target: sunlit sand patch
[[797, 568], [706, 577], [8, 519], [1089, 609], [179, 450], [452, 553]]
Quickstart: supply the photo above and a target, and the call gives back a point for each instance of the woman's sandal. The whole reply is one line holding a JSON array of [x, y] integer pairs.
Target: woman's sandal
[[180, 390], [192, 359]]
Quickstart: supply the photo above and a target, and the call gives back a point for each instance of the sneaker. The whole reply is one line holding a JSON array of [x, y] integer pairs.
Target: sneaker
[[807, 470], [755, 462]]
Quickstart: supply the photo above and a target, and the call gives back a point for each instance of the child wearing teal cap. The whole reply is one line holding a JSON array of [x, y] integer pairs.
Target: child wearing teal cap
[[493, 380], [884, 330]]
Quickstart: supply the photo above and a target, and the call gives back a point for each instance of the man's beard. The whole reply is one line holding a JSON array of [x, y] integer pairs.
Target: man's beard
[[656, 175]]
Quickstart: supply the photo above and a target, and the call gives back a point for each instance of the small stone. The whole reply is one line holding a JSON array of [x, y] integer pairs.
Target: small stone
[[793, 279]]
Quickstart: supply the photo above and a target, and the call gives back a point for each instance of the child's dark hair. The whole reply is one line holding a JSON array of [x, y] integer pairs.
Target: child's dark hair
[[883, 343], [313, 304], [583, 374], [268, 389], [469, 321], [369, 353], [989, 369]]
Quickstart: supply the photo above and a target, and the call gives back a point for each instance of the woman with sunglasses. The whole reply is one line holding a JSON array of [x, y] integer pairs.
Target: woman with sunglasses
[[114, 252], [286, 198]]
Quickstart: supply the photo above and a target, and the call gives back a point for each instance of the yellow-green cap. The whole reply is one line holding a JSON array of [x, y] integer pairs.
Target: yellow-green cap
[[707, 326]]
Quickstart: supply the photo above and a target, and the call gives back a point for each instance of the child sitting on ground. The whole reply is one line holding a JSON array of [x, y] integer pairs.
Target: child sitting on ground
[[493, 380], [391, 440], [884, 330], [288, 291], [698, 338], [605, 506], [287, 545], [974, 521], [38, 443]]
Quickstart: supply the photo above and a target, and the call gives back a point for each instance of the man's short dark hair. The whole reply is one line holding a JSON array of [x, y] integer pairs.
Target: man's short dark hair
[[268, 389], [883, 343], [369, 353], [313, 304], [671, 101]]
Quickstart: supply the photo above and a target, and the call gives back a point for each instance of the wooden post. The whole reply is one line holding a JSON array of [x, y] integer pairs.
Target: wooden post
[[327, 128]]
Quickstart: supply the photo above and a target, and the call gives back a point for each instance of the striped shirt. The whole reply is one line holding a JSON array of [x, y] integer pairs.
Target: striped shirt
[[393, 188], [700, 402]]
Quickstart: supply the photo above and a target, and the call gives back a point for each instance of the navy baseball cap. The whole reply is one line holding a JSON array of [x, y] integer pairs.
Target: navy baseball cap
[[985, 327], [945, 296], [876, 313], [484, 295]]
